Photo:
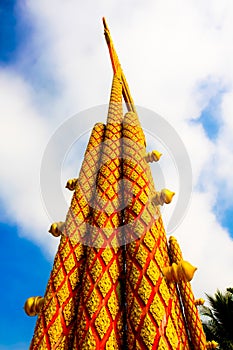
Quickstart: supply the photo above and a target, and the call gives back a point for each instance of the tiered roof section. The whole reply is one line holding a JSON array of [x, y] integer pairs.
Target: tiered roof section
[[116, 283]]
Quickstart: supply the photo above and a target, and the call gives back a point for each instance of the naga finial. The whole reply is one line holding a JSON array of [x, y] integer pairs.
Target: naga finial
[[117, 66]]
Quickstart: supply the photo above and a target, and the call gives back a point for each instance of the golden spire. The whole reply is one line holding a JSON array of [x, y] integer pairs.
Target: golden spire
[[56, 319], [100, 312], [120, 289], [116, 66], [194, 324]]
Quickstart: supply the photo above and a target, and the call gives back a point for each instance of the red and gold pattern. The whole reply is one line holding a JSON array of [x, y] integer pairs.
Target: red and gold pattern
[[100, 313], [107, 288], [54, 328], [152, 320], [194, 324]]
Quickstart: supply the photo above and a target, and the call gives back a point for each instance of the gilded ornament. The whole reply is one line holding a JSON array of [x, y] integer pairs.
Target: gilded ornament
[[153, 156], [199, 301], [56, 228], [33, 305], [183, 271], [85, 297], [165, 196], [211, 344], [71, 184]]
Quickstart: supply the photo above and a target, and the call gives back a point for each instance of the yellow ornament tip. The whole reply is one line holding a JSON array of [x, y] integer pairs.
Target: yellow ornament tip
[[183, 271], [157, 154], [167, 195], [212, 344], [71, 184], [172, 239], [56, 228], [188, 269], [199, 301], [153, 156]]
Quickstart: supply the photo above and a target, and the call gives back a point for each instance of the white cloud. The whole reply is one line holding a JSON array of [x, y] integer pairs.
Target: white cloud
[[23, 135], [206, 245], [225, 144], [169, 51]]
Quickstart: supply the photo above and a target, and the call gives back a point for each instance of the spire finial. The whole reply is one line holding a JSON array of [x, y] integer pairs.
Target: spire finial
[[117, 66]]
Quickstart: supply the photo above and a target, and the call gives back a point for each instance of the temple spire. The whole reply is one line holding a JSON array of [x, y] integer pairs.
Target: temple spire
[[117, 66], [100, 312], [115, 282], [56, 319]]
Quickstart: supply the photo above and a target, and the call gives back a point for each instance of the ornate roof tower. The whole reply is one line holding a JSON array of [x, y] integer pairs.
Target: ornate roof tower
[[116, 282]]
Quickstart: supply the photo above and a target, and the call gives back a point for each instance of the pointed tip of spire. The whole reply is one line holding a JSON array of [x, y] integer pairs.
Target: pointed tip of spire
[[104, 23], [106, 31]]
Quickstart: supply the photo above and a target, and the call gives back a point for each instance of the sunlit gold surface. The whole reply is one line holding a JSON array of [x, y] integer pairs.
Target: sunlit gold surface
[[194, 324], [55, 324], [101, 295], [150, 322], [100, 303]]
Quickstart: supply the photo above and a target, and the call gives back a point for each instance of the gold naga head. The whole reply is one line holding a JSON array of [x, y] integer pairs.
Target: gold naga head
[[56, 228], [164, 196], [33, 305], [183, 271], [71, 184]]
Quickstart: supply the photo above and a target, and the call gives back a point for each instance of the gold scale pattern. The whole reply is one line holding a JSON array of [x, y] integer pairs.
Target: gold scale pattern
[[54, 328], [100, 323], [91, 308], [151, 319], [194, 324]]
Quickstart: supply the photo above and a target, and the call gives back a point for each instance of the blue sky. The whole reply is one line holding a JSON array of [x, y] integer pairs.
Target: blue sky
[[9, 32], [24, 267], [19, 261], [54, 64]]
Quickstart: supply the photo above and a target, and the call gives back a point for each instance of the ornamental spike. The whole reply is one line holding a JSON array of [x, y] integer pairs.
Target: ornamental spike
[[56, 228], [33, 305], [199, 302], [107, 287], [194, 324], [153, 156], [71, 184], [165, 196], [183, 271], [211, 344]]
